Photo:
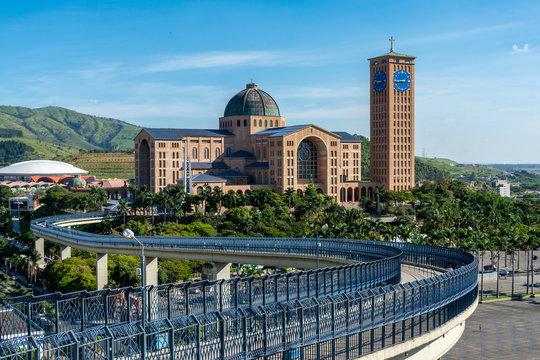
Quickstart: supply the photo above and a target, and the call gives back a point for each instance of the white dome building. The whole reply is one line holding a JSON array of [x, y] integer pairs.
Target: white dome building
[[40, 170]]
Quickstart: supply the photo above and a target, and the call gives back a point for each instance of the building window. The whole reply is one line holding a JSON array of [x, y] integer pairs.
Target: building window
[[265, 123], [307, 160], [206, 153], [194, 153], [218, 152], [260, 123], [245, 123], [271, 123], [254, 122]]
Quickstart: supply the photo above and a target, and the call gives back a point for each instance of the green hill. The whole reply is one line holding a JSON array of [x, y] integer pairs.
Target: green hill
[[67, 128]]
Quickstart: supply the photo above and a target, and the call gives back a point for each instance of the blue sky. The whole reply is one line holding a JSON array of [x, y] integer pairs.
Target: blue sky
[[177, 63]]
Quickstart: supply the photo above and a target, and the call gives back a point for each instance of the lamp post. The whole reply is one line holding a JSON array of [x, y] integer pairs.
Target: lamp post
[[128, 234], [318, 243]]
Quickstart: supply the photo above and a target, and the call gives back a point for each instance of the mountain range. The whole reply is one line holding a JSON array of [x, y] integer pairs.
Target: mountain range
[[66, 127]]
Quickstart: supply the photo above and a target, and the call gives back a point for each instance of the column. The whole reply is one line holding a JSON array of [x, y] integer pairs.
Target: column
[[218, 271], [151, 264], [65, 252], [102, 276], [40, 249]]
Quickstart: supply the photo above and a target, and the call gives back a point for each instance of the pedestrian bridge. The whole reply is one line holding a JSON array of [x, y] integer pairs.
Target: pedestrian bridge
[[357, 308]]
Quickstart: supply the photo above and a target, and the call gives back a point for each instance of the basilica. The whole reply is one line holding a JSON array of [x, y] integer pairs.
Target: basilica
[[253, 148]]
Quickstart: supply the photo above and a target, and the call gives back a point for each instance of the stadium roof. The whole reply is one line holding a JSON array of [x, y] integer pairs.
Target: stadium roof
[[41, 168]]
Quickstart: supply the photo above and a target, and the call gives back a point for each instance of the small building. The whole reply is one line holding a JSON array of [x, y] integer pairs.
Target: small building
[[18, 205], [502, 187]]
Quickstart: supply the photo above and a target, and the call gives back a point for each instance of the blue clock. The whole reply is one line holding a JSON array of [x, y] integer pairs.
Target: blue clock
[[379, 81], [402, 80]]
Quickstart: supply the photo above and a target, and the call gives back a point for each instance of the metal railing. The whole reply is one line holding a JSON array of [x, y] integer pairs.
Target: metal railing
[[286, 315]]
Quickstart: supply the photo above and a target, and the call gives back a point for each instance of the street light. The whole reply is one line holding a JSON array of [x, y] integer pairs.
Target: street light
[[128, 234], [318, 243]]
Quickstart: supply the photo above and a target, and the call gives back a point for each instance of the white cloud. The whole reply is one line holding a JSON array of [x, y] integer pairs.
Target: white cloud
[[517, 50], [94, 101], [224, 59]]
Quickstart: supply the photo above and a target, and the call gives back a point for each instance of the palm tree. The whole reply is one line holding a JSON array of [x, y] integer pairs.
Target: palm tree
[[230, 199], [166, 200], [99, 196], [499, 242], [484, 244], [290, 196], [132, 189], [123, 208], [205, 195], [534, 242], [217, 197]]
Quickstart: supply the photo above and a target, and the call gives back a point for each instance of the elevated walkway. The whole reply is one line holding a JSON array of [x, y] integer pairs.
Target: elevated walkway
[[347, 311]]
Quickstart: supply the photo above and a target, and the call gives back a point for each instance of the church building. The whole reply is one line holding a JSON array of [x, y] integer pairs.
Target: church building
[[254, 148]]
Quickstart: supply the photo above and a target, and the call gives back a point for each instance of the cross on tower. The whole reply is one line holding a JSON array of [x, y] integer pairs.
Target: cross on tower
[[391, 43]]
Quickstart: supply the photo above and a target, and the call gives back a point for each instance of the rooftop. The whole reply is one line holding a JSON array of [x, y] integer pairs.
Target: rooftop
[[178, 134], [41, 168]]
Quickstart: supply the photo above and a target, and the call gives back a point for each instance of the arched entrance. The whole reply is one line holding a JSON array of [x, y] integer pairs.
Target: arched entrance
[[349, 194], [144, 163], [312, 158], [356, 194], [363, 192]]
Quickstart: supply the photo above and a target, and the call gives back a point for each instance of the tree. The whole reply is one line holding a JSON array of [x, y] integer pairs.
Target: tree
[[217, 197], [290, 197], [99, 196], [73, 274], [123, 208]]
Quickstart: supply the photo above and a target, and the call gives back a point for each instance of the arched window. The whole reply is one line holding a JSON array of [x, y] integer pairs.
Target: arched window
[[260, 122], [218, 152], [194, 153], [271, 123], [254, 122], [307, 161], [228, 151], [206, 153], [265, 123]]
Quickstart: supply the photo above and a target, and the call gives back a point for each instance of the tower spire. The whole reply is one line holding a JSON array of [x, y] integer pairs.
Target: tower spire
[[392, 43]]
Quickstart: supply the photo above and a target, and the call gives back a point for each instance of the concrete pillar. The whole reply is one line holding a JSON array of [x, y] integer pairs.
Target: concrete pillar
[[151, 264], [40, 249], [65, 252], [217, 271], [102, 276]]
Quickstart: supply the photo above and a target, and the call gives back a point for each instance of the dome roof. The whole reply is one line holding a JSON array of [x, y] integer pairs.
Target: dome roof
[[41, 167], [77, 181], [252, 101]]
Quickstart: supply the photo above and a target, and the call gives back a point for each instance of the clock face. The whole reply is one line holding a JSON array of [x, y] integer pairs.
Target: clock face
[[402, 80], [379, 81], [303, 153]]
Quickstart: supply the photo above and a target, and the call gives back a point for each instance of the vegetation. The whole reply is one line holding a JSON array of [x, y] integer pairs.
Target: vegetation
[[13, 151], [444, 213], [43, 150], [57, 125], [523, 180], [9, 133], [107, 164]]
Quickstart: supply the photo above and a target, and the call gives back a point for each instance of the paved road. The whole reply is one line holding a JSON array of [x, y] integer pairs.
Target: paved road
[[501, 330]]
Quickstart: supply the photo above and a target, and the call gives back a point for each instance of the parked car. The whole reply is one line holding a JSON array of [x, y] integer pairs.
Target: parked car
[[503, 272]]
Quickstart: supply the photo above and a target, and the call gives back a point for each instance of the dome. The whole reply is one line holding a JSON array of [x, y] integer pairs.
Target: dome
[[252, 101], [41, 168], [77, 181]]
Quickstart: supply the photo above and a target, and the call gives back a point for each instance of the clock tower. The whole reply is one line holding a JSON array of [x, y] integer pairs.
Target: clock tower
[[392, 120]]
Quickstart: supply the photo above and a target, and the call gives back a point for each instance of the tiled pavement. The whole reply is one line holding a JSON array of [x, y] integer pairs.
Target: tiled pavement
[[501, 330]]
